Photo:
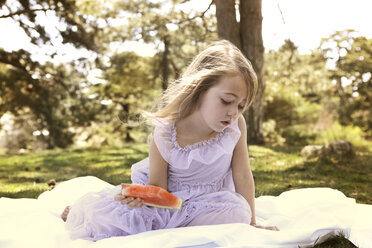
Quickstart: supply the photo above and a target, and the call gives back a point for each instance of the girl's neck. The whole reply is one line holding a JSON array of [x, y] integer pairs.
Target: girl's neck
[[194, 127]]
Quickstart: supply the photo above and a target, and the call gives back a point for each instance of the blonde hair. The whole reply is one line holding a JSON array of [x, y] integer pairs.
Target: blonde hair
[[219, 59]]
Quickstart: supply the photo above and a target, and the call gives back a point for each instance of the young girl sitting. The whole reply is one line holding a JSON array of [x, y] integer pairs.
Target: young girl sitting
[[198, 152]]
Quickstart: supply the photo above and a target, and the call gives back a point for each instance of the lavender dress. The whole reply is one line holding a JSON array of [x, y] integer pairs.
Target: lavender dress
[[200, 174]]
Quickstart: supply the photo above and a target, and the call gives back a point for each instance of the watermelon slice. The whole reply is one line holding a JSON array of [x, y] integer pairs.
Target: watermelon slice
[[152, 195]]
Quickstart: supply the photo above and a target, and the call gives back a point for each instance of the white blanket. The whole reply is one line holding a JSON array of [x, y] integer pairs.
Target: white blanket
[[305, 217]]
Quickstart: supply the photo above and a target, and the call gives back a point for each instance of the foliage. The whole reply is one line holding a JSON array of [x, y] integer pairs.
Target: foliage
[[288, 70], [48, 92], [177, 35], [353, 134], [299, 135], [296, 86], [128, 88], [54, 95], [352, 58], [53, 103], [272, 136]]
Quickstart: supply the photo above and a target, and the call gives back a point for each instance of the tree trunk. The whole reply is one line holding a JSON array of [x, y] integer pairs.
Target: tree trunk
[[252, 47], [227, 26], [165, 64], [341, 109], [249, 33], [128, 137]]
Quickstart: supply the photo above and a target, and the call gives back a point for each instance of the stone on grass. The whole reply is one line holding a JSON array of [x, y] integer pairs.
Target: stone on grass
[[339, 149], [311, 151]]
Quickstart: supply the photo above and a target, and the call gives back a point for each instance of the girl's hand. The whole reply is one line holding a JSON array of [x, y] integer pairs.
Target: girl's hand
[[271, 228], [129, 201]]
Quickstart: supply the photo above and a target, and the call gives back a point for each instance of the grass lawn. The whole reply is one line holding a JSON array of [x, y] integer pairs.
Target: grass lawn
[[275, 170]]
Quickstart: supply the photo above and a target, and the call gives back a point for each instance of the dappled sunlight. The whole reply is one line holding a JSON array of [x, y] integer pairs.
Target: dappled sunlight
[[29, 174], [279, 171]]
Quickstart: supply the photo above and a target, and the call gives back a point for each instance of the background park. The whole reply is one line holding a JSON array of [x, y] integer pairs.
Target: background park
[[75, 76]]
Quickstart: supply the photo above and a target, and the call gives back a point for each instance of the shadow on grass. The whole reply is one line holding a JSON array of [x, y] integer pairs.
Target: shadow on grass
[[352, 176], [109, 164], [285, 149], [29, 193]]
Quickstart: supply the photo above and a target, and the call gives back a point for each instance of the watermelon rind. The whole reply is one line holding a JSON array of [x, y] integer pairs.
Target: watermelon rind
[[178, 207]]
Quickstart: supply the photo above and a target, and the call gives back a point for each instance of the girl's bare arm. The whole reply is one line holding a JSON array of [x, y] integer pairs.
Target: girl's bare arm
[[158, 176], [242, 173], [158, 171]]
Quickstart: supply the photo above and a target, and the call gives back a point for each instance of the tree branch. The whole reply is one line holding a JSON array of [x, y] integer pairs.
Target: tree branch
[[194, 17], [24, 11]]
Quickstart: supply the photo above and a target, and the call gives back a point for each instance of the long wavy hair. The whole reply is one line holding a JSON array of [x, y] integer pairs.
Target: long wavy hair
[[219, 59]]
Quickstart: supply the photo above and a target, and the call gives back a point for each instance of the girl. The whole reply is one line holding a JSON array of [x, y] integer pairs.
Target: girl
[[198, 152]]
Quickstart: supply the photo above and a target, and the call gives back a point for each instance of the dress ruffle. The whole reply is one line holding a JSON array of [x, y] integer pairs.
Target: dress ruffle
[[203, 152]]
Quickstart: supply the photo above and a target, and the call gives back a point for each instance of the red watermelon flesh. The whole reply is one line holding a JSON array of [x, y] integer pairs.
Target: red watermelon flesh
[[152, 195]]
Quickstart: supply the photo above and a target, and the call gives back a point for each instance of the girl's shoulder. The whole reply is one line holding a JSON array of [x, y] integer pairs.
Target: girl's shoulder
[[162, 136]]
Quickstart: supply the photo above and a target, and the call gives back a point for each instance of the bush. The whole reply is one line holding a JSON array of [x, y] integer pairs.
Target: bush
[[352, 134], [288, 108], [299, 135], [109, 134], [271, 136]]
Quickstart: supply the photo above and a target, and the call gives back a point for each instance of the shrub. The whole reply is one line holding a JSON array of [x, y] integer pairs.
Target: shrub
[[352, 134], [272, 137], [299, 135]]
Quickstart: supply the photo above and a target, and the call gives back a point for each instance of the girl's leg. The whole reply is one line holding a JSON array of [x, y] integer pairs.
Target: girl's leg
[[223, 216]]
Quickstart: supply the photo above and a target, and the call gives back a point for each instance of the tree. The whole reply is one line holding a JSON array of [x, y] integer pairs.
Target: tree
[[129, 84], [177, 35], [51, 98], [299, 93], [45, 90], [352, 58], [247, 35]]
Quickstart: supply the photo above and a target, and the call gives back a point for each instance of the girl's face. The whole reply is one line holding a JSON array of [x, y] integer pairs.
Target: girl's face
[[223, 103]]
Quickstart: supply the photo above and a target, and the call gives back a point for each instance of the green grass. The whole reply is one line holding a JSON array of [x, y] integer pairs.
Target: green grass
[[276, 169], [281, 169], [27, 175]]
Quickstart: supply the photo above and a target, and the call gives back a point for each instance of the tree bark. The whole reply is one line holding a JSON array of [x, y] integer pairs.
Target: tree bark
[[128, 137], [165, 64], [249, 33], [252, 47], [227, 26]]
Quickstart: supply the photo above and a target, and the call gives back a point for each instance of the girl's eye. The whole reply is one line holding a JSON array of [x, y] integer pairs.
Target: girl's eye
[[225, 102], [241, 107]]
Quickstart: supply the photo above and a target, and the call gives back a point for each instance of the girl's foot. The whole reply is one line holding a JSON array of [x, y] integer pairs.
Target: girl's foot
[[65, 213]]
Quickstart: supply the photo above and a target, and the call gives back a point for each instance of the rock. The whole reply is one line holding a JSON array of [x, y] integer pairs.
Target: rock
[[22, 151], [339, 149], [52, 182], [312, 151]]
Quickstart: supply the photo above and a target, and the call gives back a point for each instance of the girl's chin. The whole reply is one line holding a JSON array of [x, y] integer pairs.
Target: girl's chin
[[220, 128]]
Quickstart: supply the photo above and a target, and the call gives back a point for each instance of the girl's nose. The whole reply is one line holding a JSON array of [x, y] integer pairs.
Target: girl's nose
[[233, 111]]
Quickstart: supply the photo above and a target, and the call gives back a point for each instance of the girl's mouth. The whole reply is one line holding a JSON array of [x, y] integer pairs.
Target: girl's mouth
[[225, 123]]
